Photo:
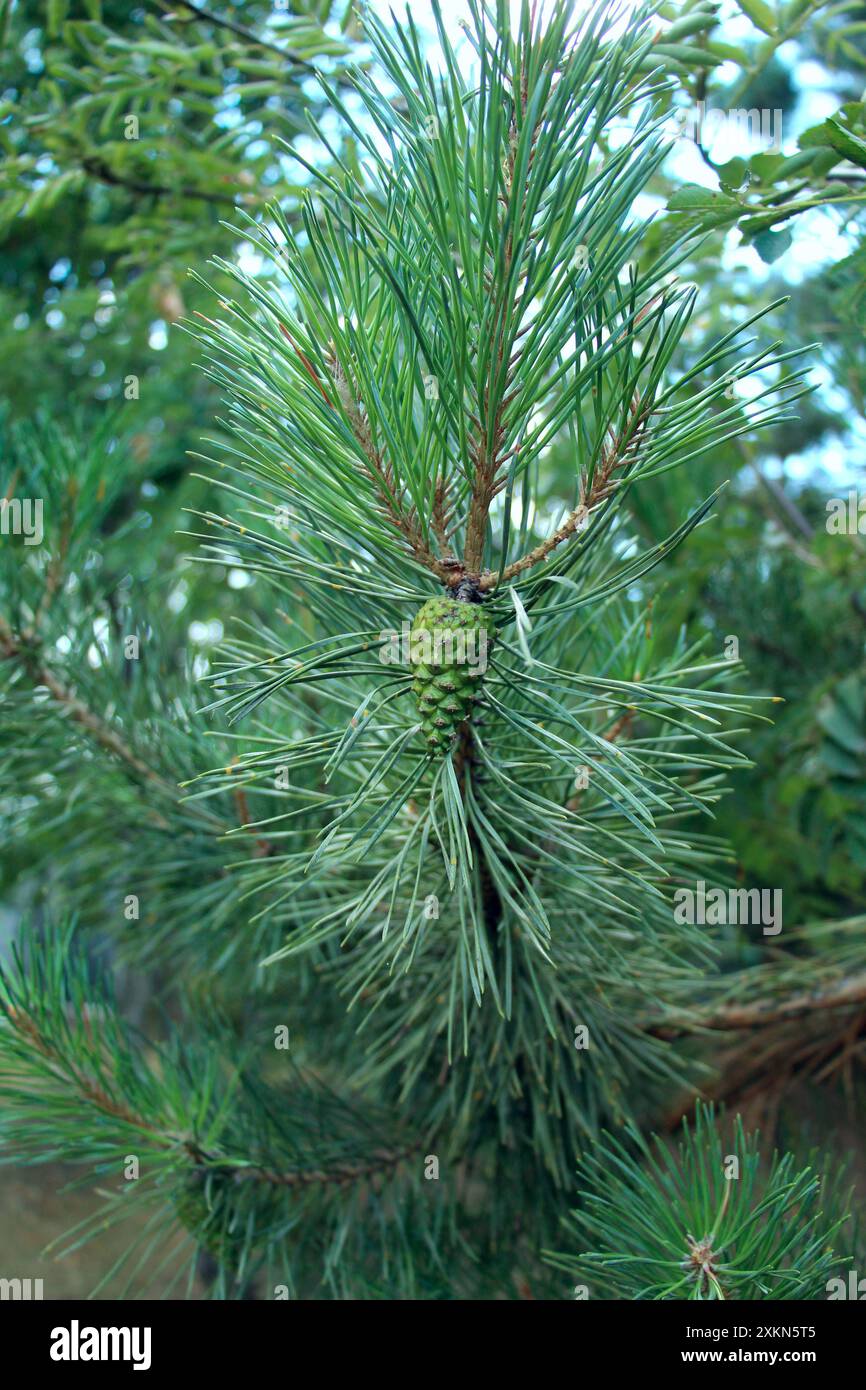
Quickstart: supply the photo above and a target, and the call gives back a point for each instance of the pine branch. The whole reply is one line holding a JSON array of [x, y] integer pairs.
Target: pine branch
[[92, 1091], [399, 403], [379, 1167], [110, 741], [96, 1094], [102, 171], [80, 1046], [799, 1017], [761, 1013], [656, 1225], [442, 521], [619, 453], [380, 473], [12, 647], [264, 848], [486, 450], [754, 1074]]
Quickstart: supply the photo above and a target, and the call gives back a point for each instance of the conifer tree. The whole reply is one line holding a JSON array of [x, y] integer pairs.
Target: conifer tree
[[417, 869]]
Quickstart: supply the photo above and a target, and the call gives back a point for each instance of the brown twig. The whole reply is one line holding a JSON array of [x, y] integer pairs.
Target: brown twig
[[264, 848], [441, 518], [63, 1071], [13, 483], [307, 364], [288, 54], [103, 735], [616, 454], [57, 563], [841, 994], [93, 1091], [485, 451], [756, 1072], [76, 709], [540, 552], [786, 504], [102, 171], [341, 1174], [381, 473]]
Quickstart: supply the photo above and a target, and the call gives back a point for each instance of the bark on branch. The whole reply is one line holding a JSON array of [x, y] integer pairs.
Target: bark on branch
[[841, 994]]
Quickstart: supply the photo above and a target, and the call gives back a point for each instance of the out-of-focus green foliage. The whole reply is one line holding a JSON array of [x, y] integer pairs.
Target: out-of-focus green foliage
[[131, 135], [763, 568]]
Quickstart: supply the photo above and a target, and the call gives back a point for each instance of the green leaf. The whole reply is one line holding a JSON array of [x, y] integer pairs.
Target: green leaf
[[696, 23], [688, 55], [823, 161], [55, 13], [693, 198], [840, 762], [851, 695], [766, 166], [842, 729], [734, 174], [803, 159], [846, 142], [771, 245], [760, 14]]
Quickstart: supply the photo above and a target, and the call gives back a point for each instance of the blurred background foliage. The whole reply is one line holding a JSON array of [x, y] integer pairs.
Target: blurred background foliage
[[132, 135]]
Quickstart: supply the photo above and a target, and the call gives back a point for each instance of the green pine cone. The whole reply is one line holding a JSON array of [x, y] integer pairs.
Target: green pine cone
[[448, 650]]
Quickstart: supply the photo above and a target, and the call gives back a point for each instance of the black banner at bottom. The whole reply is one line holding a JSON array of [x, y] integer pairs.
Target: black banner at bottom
[[81, 1340]]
